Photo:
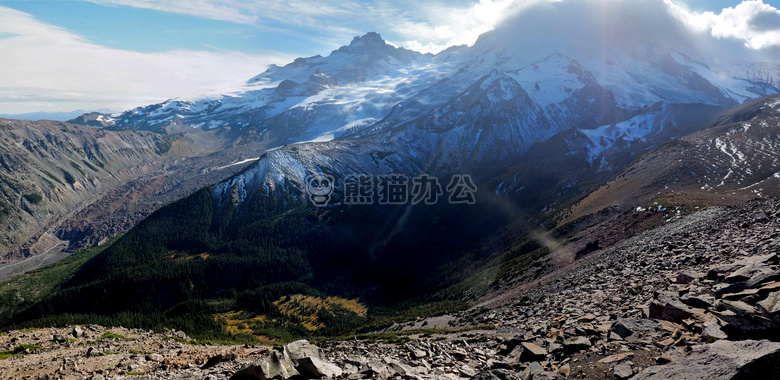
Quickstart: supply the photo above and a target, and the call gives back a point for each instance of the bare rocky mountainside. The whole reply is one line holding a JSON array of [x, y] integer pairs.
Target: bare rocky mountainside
[[66, 186], [735, 160], [51, 168]]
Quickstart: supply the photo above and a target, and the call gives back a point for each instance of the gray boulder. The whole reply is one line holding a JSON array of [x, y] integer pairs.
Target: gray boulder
[[713, 330], [669, 308], [701, 301], [764, 277], [747, 272], [625, 327], [743, 321], [742, 360], [771, 305], [547, 375], [216, 359], [733, 288], [274, 365], [495, 374], [299, 359], [303, 349], [576, 344], [623, 371], [314, 368]]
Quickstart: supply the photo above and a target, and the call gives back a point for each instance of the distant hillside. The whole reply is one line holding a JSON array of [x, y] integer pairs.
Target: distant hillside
[[66, 186], [738, 158], [35, 116]]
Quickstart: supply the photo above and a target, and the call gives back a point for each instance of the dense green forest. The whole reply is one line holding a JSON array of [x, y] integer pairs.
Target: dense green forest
[[202, 257]]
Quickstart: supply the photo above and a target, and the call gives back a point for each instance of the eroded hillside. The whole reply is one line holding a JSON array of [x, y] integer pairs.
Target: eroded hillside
[[62, 183]]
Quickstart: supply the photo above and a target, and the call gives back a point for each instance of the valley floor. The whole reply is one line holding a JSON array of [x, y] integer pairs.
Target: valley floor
[[691, 299]]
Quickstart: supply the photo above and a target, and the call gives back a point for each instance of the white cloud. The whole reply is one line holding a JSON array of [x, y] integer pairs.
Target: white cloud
[[312, 14], [432, 26], [48, 68], [436, 27], [213, 9], [443, 26], [45, 67], [752, 21], [422, 26]]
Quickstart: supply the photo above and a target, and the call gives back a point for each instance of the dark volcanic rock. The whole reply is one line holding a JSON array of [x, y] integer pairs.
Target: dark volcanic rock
[[313, 368], [626, 327], [669, 308], [733, 288], [495, 374], [532, 352], [221, 358], [700, 301], [576, 344]]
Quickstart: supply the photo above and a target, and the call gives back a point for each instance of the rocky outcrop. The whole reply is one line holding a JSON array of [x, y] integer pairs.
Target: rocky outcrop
[[300, 359], [748, 359]]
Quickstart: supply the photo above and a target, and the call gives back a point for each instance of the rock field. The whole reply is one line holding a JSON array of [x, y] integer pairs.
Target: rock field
[[698, 298]]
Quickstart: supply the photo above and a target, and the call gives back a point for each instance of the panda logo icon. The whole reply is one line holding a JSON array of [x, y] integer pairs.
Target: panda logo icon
[[319, 187]]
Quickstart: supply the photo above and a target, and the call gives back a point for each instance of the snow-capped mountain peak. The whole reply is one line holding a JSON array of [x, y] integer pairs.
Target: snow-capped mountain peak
[[365, 57], [499, 86], [367, 42], [596, 67]]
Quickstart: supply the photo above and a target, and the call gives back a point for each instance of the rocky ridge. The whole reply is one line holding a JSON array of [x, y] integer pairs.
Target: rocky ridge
[[692, 299]]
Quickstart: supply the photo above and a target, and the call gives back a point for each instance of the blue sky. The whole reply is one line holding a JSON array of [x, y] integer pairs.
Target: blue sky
[[134, 25], [149, 30], [712, 5], [117, 54]]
